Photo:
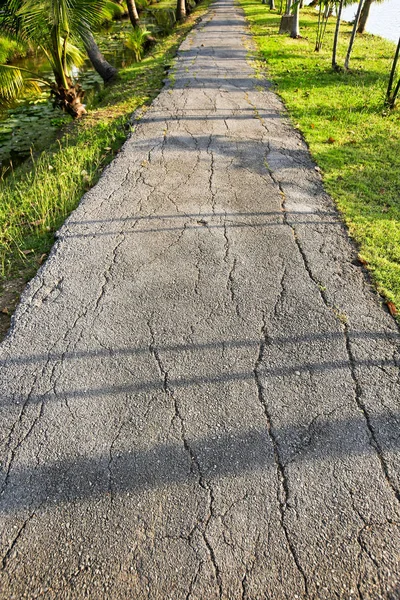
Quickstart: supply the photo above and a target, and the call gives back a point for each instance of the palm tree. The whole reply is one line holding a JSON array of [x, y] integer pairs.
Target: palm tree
[[133, 13], [106, 71], [180, 10], [53, 26]]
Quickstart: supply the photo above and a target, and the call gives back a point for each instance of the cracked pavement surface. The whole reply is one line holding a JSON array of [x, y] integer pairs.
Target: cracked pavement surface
[[200, 391]]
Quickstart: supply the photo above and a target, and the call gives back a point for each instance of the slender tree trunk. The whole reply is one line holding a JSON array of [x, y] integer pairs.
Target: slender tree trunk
[[364, 16], [180, 10], [295, 33], [335, 66], [390, 98], [353, 35], [106, 71], [272, 4], [133, 13]]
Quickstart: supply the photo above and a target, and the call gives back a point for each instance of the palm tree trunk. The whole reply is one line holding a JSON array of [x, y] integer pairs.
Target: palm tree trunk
[[353, 35], [364, 16], [133, 13], [335, 66], [106, 71], [180, 10], [69, 98]]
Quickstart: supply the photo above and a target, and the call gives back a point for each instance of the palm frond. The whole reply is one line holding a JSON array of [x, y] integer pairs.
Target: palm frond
[[14, 81], [74, 56], [111, 10]]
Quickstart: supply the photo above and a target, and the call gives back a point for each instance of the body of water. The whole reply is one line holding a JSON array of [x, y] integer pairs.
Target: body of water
[[383, 20]]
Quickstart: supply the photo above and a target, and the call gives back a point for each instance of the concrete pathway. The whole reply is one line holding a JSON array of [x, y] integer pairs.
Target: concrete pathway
[[200, 393]]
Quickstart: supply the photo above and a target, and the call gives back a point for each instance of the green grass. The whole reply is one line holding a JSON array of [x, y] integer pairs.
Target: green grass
[[351, 137], [37, 197]]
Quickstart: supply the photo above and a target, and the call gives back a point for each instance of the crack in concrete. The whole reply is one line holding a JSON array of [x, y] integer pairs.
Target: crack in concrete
[[194, 462], [367, 417], [283, 487], [6, 557], [347, 337]]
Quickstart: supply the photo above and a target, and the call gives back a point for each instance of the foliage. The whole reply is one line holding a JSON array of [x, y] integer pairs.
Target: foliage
[[136, 40], [164, 18], [37, 197], [350, 135], [54, 26], [112, 10], [10, 48]]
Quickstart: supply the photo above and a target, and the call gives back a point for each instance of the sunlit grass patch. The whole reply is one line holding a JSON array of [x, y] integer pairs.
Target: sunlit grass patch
[[351, 136]]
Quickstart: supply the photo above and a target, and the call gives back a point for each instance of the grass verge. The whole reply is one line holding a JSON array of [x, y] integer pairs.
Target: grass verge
[[39, 195], [351, 137]]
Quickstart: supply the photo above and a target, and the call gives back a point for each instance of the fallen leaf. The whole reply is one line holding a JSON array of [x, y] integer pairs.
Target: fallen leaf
[[331, 140], [362, 261], [38, 222], [26, 252], [5, 311], [42, 258], [312, 126], [392, 309]]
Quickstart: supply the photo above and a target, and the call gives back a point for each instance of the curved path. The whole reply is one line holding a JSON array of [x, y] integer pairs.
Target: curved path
[[200, 394]]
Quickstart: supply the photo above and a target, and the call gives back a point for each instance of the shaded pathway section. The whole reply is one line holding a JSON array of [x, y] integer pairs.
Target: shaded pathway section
[[199, 397]]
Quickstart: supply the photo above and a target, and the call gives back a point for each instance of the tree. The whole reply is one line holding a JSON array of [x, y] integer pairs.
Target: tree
[[295, 30], [325, 11], [391, 95], [53, 26], [364, 16], [106, 71], [335, 65], [287, 19], [353, 34], [180, 10], [133, 13]]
